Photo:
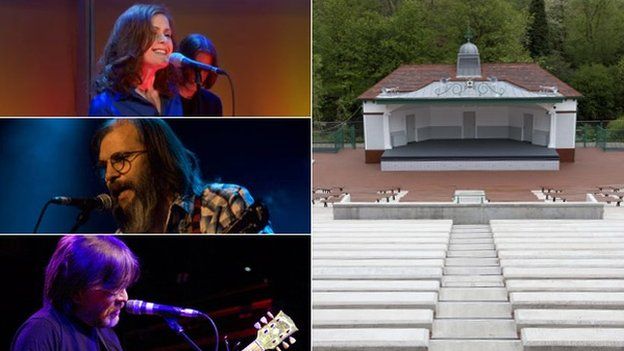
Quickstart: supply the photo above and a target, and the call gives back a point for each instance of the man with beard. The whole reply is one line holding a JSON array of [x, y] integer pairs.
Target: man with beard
[[156, 184], [84, 292]]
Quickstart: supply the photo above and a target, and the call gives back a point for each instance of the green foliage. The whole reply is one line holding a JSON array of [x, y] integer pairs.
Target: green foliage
[[358, 42], [616, 129], [596, 82], [537, 30], [595, 31]]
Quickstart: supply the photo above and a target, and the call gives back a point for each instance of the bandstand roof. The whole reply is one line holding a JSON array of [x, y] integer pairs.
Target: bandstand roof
[[498, 81]]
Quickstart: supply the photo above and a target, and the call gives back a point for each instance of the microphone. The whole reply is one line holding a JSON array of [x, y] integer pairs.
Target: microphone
[[178, 60], [101, 202], [142, 307]]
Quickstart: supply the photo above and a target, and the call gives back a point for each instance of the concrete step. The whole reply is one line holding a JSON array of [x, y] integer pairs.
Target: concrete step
[[474, 345], [583, 234], [376, 246], [568, 318], [381, 273], [368, 300], [370, 339], [560, 246], [376, 234], [375, 285], [379, 263], [473, 329], [567, 300], [471, 262], [472, 235], [547, 240], [472, 270], [599, 285], [563, 273], [579, 254], [586, 339], [557, 262], [461, 247], [479, 310], [456, 241], [472, 253], [395, 254], [473, 294], [379, 240], [458, 281], [372, 318]]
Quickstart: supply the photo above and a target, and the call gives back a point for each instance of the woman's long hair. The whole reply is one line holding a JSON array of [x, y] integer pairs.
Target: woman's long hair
[[121, 62]]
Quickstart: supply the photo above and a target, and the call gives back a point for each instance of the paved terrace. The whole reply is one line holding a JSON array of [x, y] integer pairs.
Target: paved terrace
[[593, 167]]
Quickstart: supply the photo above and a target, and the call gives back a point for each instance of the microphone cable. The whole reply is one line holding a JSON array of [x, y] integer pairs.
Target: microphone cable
[[231, 92], [43, 210]]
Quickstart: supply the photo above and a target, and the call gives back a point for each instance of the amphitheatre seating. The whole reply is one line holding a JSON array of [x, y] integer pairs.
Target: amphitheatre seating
[[565, 281], [376, 286]]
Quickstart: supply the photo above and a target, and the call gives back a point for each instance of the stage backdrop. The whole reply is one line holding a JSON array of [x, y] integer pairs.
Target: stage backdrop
[[53, 47], [43, 158]]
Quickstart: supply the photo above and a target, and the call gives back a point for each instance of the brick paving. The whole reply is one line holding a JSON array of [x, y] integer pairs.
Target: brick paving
[[593, 168]]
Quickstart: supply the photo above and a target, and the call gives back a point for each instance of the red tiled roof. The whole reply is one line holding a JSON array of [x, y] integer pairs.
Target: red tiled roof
[[525, 75]]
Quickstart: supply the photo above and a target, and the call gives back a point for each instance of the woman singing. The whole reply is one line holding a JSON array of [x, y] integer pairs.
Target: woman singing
[[136, 78]]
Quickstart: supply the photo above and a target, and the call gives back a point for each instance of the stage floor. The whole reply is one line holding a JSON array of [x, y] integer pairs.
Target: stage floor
[[470, 149]]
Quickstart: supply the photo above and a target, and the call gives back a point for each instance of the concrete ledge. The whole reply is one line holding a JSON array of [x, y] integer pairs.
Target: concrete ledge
[[568, 318], [370, 339], [598, 285], [379, 263], [381, 300], [375, 318], [567, 300], [375, 285], [474, 329], [564, 273], [569, 263], [381, 240], [352, 255], [377, 273], [376, 246], [559, 339], [560, 254], [469, 213]]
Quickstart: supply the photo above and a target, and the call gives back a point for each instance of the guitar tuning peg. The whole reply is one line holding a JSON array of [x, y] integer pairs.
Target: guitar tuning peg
[[263, 320], [292, 340], [278, 349], [270, 314], [285, 345], [257, 325]]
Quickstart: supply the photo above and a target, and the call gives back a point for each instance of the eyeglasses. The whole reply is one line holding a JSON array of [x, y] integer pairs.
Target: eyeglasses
[[120, 161]]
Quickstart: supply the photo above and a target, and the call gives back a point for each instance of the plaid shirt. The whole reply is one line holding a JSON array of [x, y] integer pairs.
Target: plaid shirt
[[216, 209]]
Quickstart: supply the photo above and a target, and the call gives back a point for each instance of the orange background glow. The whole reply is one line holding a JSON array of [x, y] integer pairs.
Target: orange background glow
[[264, 45]]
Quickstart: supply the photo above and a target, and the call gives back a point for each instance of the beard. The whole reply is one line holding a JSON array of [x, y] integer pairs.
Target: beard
[[142, 212]]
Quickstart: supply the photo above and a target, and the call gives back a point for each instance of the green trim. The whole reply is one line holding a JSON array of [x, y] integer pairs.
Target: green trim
[[465, 100]]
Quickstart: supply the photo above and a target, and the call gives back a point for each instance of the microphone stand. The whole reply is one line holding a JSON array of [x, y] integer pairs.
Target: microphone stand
[[177, 328], [82, 218]]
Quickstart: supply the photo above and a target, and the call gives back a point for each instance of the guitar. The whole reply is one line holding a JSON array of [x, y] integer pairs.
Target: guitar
[[274, 333]]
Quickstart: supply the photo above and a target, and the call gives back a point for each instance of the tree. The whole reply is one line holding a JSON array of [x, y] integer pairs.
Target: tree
[[597, 84], [537, 30]]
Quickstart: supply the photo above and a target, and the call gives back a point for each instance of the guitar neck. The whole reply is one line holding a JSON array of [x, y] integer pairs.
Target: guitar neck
[[253, 347]]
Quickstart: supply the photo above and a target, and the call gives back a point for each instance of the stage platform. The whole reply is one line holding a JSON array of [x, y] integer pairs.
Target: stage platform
[[470, 155]]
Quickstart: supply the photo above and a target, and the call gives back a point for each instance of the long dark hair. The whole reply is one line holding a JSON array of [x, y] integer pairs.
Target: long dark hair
[[192, 45], [175, 169], [131, 36], [80, 262]]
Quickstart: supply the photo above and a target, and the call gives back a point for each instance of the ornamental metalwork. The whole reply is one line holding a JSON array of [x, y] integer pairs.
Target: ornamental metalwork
[[470, 88]]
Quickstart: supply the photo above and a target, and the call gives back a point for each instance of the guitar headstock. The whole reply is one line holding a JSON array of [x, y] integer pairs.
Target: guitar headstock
[[275, 332]]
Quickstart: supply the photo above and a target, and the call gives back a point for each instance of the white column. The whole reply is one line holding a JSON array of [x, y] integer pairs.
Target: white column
[[552, 140], [386, 131]]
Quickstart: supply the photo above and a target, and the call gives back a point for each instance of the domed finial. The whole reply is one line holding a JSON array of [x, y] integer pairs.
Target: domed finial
[[469, 35]]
